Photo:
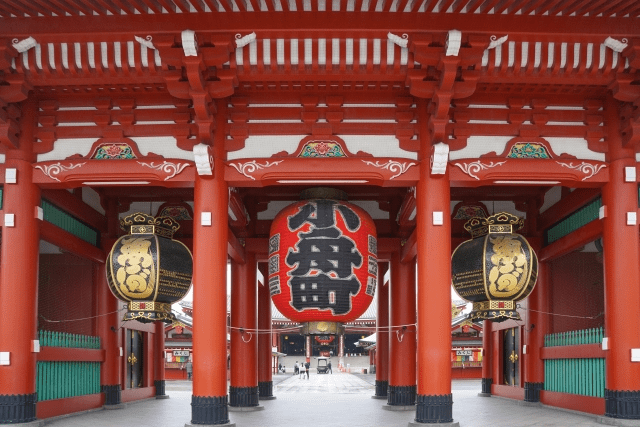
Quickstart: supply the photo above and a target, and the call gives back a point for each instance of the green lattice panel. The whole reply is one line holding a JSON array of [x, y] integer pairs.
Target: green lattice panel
[[60, 218]]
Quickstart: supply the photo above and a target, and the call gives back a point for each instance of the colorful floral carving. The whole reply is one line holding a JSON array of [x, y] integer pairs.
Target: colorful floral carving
[[113, 151], [322, 149], [528, 150]]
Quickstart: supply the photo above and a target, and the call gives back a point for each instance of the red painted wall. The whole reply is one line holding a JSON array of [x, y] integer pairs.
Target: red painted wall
[[577, 289], [65, 291], [465, 373], [175, 374]]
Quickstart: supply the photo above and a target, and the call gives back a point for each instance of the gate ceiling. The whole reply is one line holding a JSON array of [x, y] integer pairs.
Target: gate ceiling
[[352, 70]]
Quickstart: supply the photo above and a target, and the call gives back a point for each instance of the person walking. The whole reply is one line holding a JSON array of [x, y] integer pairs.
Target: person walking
[[189, 368], [329, 366], [307, 365], [302, 369], [296, 368]]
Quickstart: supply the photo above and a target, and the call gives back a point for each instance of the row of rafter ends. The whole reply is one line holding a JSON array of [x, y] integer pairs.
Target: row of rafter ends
[[28, 8], [324, 55]]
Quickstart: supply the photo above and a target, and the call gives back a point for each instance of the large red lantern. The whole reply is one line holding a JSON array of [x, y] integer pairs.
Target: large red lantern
[[323, 263]]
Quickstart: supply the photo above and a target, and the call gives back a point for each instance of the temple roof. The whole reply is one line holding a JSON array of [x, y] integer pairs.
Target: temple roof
[[31, 9]]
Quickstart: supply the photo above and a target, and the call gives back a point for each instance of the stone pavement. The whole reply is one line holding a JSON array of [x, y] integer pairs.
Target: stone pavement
[[333, 400]]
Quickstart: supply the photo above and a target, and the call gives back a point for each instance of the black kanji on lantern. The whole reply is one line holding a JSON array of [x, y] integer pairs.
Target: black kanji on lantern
[[323, 275]]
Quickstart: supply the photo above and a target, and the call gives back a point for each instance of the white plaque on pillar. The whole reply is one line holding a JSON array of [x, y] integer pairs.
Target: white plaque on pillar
[[5, 358], [9, 220], [438, 218], [205, 219], [11, 176], [630, 174]]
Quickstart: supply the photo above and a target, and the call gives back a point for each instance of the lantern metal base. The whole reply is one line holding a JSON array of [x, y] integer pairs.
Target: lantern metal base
[[322, 328], [147, 312], [494, 315]]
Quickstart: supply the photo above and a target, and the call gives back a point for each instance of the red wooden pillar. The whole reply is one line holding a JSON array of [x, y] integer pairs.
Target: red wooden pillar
[[108, 329], [109, 322], [433, 228], [307, 346], [19, 281], [209, 400], [621, 275], [536, 328], [401, 392], [243, 392], [382, 334], [265, 379], [487, 356]]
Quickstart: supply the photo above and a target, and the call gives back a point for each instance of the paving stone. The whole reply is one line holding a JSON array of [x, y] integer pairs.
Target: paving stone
[[337, 399]]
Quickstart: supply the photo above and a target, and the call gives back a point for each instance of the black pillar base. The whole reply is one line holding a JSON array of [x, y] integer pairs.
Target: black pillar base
[[622, 404], [434, 409], [265, 389], [381, 388], [209, 410], [243, 396], [532, 391], [398, 395], [18, 408], [111, 394], [486, 385], [159, 387]]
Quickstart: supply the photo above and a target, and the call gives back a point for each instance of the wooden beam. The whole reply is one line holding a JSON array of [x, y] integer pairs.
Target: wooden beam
[[354, 24], [235, 248], [63, 354], [584, 351], [410, 248], [572, 241], [567, 205], [70, 243], [76, 207]]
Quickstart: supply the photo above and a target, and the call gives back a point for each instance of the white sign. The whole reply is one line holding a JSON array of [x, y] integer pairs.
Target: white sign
[[178, 353], [464, 353]]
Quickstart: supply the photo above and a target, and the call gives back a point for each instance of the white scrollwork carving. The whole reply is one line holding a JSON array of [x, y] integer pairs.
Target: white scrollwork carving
[[52, 170], [24, 45], [203, 160], [250, 167], [189, 43], [616, 45], [400, 41], [439, 158], [474, 167], [454, 41], [495, 41], [172, 169], [392, 166], [146, 42], [243, 41], [586, 168]]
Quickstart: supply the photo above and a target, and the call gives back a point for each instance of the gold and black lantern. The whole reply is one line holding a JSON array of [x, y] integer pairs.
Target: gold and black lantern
[[148, 269], [495, 269]]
